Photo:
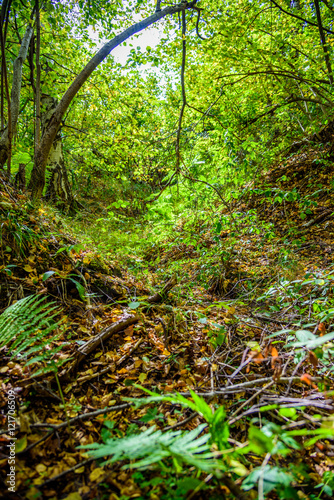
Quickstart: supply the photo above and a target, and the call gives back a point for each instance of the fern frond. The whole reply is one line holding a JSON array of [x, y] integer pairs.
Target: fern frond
[[152, 446], [198, 404], [25, 327]]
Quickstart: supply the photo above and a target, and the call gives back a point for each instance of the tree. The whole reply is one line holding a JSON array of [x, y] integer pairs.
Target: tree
[[9, 132], [58, 189], [37, 180]]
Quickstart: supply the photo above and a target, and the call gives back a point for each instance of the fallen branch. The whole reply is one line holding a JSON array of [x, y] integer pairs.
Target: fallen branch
[[246, 385], [322, 217], [98, 339], [85, 378], [233, 417], [182, 422], [67, 471], [84, 416]]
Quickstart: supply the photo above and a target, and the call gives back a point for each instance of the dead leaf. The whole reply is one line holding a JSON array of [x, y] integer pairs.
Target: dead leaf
[[313, 359], [96, 474], [306, 378]]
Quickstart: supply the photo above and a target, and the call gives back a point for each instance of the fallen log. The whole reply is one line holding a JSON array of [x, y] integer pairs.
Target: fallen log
[[110, 330], [96, 341]]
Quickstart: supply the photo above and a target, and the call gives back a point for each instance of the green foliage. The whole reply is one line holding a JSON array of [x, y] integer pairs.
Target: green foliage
[[272, 478], [25, 329], [152, 446], [14, 226]]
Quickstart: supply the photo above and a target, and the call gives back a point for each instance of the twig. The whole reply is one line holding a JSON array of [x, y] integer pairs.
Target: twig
[[85, 378], [65, 472], [294, 373], [94, 342], [83, 416], [299, 17], [183, 422], [158, 297], [234, 488], [261, 481], [271, 320], [232, 419], [246, 385], [184, 100]]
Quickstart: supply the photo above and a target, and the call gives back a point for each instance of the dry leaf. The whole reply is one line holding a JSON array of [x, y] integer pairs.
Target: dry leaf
[[306, 378], [313, 359]]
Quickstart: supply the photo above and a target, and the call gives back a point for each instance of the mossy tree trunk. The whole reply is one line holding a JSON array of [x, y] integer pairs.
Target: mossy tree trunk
[[59, 191]]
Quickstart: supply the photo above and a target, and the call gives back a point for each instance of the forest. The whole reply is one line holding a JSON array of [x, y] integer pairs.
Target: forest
[[166, 250]]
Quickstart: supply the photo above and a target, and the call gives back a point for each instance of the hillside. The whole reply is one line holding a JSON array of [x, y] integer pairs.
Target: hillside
[[235, 307]]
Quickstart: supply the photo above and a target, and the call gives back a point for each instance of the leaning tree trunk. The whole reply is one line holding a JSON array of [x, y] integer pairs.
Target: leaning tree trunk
[[15, 96], [58, 190]]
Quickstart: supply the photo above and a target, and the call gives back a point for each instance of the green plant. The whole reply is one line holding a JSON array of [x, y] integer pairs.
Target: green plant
[[152, 446], [25, 328], [18, 234], [173, 450]]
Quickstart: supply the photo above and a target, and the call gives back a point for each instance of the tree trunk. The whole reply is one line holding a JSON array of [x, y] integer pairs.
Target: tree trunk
[[15, 96], [325, 47], [58, 191], [37, 180]]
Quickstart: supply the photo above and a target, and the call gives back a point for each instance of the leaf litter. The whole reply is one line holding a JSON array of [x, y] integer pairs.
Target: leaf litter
[[237, 339]]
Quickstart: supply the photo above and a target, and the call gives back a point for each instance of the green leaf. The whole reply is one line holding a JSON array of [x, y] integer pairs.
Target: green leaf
[[21, 444], [272, 477], [47, 275], [219, 428], [81, 289], [258, 442], [134, 305], [152, 446]]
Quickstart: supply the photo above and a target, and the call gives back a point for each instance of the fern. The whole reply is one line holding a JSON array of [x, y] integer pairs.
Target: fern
[[152, 446], [218, 426], [25, 327]]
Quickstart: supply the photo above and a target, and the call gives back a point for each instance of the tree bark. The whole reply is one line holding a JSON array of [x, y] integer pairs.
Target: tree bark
[[323, 42], [4, 79], [38, 77], [37, 180], [10, 130], [59, 190]]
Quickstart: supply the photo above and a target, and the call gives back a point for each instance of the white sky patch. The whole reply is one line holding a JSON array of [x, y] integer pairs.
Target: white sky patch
[[147, 38]]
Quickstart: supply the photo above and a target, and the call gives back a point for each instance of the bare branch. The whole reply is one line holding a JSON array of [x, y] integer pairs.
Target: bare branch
[[298, 17]]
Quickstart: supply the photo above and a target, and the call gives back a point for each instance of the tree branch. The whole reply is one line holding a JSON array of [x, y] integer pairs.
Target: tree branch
[[298, 17], [183, 91], [323, 42], [37, 180]]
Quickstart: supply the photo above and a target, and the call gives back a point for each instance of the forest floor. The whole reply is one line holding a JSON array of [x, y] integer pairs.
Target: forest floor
[[237, 307]]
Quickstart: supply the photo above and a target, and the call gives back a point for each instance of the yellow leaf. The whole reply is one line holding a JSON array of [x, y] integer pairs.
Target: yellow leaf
[[75, 495], [96, 474], [40, 468], [79, 471], [142, 377], [238, 468], [28, 268], [21, 444], [122, 371]]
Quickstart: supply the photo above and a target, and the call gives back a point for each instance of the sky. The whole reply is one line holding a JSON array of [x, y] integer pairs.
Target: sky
[[149, 37]]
